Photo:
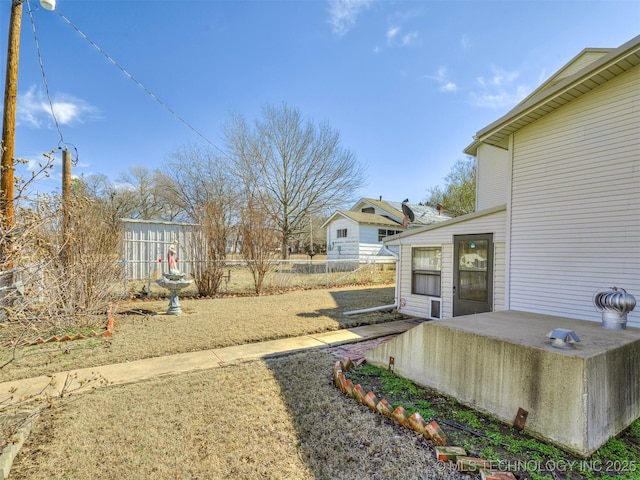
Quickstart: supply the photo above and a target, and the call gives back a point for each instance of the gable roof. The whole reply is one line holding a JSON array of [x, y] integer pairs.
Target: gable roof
[[563, 87], [364, 218], [424, 215]]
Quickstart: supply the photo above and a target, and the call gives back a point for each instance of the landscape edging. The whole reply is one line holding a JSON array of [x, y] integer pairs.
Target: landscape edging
[[431, 431]]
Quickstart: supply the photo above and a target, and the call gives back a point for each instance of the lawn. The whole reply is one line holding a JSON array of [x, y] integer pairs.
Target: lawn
[[143, 330], [276, 418], [280, 418]]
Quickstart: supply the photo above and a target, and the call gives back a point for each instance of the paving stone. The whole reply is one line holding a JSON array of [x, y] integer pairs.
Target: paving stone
[[471, 464], [358, 393], [385, 408], [433, 431], [417, 423], [450, 454], [496, 475], [371, 400], [400, 416]]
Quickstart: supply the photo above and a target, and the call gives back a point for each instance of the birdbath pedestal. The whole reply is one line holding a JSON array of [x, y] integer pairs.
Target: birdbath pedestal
[[174, 281]]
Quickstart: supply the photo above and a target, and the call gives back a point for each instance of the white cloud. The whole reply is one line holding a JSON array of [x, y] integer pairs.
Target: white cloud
[[500, 78], [499, 90], [344, 13], [32, 108], [395, 39], [441, 77], [392, 33]]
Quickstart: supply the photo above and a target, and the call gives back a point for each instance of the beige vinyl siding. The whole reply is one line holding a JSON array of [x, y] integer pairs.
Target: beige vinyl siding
[[575, 225], [493, 177], [584, 60], [442, 236]]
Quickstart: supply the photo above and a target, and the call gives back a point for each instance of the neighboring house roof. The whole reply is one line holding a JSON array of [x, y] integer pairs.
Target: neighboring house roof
[[424, 215], [393, 239], [363, 218], [560, 89]]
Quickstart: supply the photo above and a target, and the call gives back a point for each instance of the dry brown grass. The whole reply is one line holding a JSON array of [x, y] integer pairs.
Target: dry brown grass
[[142, 330], [281, 418], [277, 418]]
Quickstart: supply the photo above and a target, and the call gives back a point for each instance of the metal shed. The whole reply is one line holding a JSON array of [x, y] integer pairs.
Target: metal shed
[[146, 243]]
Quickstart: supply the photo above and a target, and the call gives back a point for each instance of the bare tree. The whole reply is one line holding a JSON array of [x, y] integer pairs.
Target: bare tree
[[139, 185], [116, 203], [292, 167], [260, 240], [201, 185]]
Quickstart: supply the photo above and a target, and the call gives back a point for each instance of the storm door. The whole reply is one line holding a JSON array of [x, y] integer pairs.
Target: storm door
[[472, 274]]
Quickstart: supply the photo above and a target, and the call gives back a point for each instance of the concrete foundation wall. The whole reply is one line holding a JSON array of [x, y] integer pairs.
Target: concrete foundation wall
[[501, 361]]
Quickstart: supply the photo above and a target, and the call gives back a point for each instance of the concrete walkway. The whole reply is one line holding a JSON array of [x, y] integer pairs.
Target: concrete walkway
[[130, 372]]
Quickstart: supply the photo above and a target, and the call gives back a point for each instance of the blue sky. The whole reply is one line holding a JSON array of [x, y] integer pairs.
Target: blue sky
[[406, 83]]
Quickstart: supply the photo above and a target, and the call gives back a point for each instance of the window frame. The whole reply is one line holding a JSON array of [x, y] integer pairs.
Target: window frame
[[431, 285], [388, 233], [341, 233]]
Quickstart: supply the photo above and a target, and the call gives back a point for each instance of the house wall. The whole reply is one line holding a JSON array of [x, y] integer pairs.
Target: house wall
[[575, 211], [493, 177], [442, 236], [369, 244], [346, 247]]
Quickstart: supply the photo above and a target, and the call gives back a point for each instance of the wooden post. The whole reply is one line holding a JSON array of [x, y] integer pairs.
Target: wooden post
[[8, 134], [66, 206]]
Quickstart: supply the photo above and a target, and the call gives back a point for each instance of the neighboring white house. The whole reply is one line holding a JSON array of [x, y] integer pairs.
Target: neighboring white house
[[358, 232], [558, 199]]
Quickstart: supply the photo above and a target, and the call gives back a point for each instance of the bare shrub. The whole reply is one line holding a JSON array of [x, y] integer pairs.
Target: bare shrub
[[81, 267], [198, 183], [58, 272], [260, 241], [208, 249]]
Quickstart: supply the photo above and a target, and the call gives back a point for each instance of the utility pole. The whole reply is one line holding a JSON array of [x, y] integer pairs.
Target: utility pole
[[8, 136]]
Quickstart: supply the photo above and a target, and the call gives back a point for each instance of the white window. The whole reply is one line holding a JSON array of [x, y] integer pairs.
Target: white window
[[383, 232], [426, 268], [342, 233]]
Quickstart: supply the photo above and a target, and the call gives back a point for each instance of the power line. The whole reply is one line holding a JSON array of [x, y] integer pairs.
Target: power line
[[139, 84], [44, 77]]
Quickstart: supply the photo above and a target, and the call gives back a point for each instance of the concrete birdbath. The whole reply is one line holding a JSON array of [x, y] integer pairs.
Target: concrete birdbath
[[173, 281]]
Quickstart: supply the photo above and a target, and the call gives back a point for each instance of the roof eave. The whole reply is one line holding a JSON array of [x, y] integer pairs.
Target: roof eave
[[592, 76], [397, 239]]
